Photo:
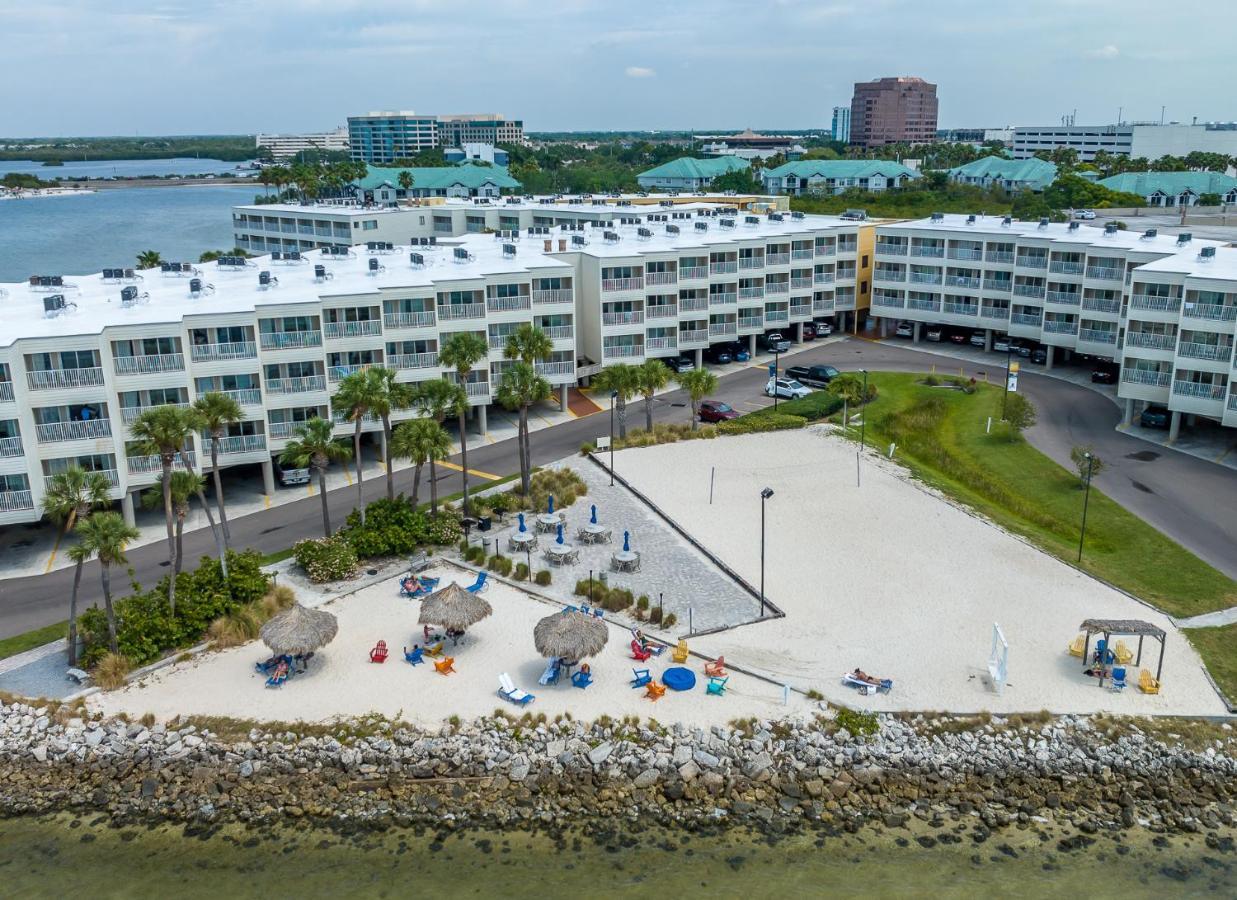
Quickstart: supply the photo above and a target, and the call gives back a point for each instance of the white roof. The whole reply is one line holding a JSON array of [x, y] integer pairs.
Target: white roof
[[988, 226], [641, 203], [1189, 262], [690, 239]]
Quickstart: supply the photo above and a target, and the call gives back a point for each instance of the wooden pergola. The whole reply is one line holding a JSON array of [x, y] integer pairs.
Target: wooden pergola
[[1123, 628]]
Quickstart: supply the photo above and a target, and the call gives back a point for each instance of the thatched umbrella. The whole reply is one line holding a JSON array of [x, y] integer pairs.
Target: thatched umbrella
[[453, 608], [298, 630], [570, 635]]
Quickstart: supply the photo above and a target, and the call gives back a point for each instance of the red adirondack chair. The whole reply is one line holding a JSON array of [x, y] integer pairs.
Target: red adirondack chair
[[638, 652], [379, 653]]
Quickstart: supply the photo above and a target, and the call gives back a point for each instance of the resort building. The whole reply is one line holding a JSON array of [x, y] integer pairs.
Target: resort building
[[893, 111], [1139, 140], [1174, 188], [486, 153], [688, 173], [833, 176], [82, 356], [382, 186], [1163, 307], [1009, 174], [384, 137], [286, 146]]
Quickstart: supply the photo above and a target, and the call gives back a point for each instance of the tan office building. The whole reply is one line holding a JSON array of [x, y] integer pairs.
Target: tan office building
[[893, 110]]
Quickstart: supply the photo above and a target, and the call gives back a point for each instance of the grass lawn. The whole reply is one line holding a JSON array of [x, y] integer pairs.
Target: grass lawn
[[20, 643], [940, 436], [1218, 648]]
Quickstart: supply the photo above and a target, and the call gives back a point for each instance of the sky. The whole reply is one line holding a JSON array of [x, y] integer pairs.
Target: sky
[[123, 67]]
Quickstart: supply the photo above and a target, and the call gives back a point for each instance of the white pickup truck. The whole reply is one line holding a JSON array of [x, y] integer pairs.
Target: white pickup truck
[[290, 475]]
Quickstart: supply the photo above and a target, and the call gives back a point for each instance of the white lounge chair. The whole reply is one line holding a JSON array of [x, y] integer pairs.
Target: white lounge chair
[[508, 691], [866, 687]]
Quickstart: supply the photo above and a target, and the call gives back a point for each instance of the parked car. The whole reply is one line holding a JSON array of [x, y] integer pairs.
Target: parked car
[[855, 215], [823, 329], [1085, 214], [904, 330], [776, 342], [719, 353], [1019, 349], [1039, 356], [1105, 373], [816, 376], [786, 388], [1155, 417], [978, 339], [738, 349], [290, 475], [958, 337], [680, 364], [935, 333], [1000, 344], [716, 411], [809, 331]]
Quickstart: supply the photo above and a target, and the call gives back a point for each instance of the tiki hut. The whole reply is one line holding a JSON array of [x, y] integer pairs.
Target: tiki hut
[[297, 630], [454, 608], [570, 635]]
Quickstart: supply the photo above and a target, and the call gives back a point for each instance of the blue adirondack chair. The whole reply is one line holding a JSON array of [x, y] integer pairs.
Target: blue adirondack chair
[[582, 679], [642, 677], [415, 656]]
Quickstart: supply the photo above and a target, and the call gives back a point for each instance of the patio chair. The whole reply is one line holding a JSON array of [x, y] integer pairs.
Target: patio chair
[[435, 650], [599, 613], [552, 670], [582, 679], [1077, 646], [1123, 653], [884, 685], [1147, 683], [655, 691], [508, 691], [445, 666], [680, 652], [479, 585], [642, 677], [379, 653], [417, 586], [415, 656], [639, 653], [717, 686], [279, 675], [1118, 678], [717, 668], [266, 666], [1102, 655]]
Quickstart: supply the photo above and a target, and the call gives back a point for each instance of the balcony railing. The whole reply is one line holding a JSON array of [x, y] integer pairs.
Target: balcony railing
[[721, 329], [1003, 285], [300, 384], [797, 284], [694, 336], [889, 275], [924, 305], [822, 278], [559, 332], [413, 360], [696, 304], [363, 328], [341, 417], [723, 298], [1065, 298], [662, 311], [90, 429], [994, 312], [1104, 273], [129, 414], [661, 343], [1066, 267], [964, 253], [802, 253], [800, 310], [693, 273], [777, 287], [1199, 389], [962, 281], [824, 250], [110, 474], [1150, 340], [889, 248], [751, 262], [925, 278], [153, 464], [725, 267], [1146, 376], [1232, 401], [1213, 312], [1032, 262], [622, 351], [455, 311], [242, 443], [1097, 304], [777, 259], [751, 321], [1002, 257], [1060, 326], [150, 365], [11, 446], [822, 306], [1212, 352], [613, 285], [410, 320], [508, 304], [927, 250], [961, 309], [6, 391], [887, 300], [777, 315], [282, 431], [51, 379], [217, 352], [554, 295], [1029, 290], [12, 501], [1024, 319], [289, 340], [1155, 302], [661, 278], [634, 317], [244, 396], [339, 373], [751, 293], [1097, 336]]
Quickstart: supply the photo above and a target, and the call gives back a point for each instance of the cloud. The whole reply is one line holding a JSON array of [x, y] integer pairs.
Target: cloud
[[639, 72], [1108, 51]]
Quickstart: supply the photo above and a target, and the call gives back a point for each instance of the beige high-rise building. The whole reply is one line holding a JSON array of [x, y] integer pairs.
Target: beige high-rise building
[[892, 111]]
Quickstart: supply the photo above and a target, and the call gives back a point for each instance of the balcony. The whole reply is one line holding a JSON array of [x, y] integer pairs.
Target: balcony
[[1212, 312], [1210, 352], [925, 278], [725, 267], [802, 253], [425, 319], [153, 464], [337, 330], [777, 287], [1001, 285], [697, 304], [290, 340], [622, 351], [1104, 273], [722, 329], [751, 262], [800, 310], [508, 304], [150, 365], [923, 305], [962, 281], [967, 253], [693, 273], [1199, 389], [824, 250], [1029, 290], [751, 321], [1064, 298], [751, 293], [242, 443], [110, 474], [341, 417], [13, 501], [889, 248], [822, 306], [662, 343], [1066, 267], [694, 336], [1146, 376], [1096, 304], [554, 295], [560, 332], [88, 430], [1150, 340], [893, 301], [456, 311], [928, 251], [413, 360], [961, 309], [244, 396], [339, 373], [11, 446], [129, 414], [662, 311], [776, 316], [556, 368], [219, 352], [53, 379], [661, 278], [1031, 262], [1097, 336], [615, 285], [723, 298], [889, 275], [777, 259], [1024, 319], [302, 384], [1001, 257], [1155, 303], [1000, 313], [634, 317], [822, 278], [800, 284], [6, 391], [1060, 326]]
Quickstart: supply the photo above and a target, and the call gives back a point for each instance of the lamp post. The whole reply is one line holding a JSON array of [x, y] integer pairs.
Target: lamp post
[[590, 587], [764, 495], [1085, 499], [1009, 355], [863, 416], [613, 397], [528, 555], [777, 358]]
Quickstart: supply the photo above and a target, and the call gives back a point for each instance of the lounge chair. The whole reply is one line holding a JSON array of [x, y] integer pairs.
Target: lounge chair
[[1123, 653], [884, 685], [642, 677], [655, 690], [680, 652], [279, 675], [379, 653], [1077, 646], [1118, 678], [1147, 683], [416, 655], [268, 665], [599, 613], [435, 650], [551, 673], [639, 653], [479, 585], [508, 691], [717, 668], [417, 586], [582, 679], [717, 685], [1102, 655], [445, 666]]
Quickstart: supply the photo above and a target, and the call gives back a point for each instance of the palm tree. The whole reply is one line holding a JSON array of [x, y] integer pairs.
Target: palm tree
[[651, 376], [437, 399], [358, 394], [162, 431], [529, 343], [462, 351], [315, 447], [405, 181], [519, 389], [184, 485], [848, 386], [421, 441], [698, 383], [391, 395], [213, 413], [622, 382], [149, 259], [105, 535], [71, 496]]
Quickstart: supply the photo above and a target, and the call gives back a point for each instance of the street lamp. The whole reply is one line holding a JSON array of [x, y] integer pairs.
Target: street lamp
[[777, 357], [1085, 499], [764, 495], [863, 416], [1009, 355], [613, 397]]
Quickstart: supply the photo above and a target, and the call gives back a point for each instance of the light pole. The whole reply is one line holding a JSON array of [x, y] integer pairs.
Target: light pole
[[764, 495], [1085, 499], [528, 554], [1009, 355], [777, 358], [613, 397], [863, 415]]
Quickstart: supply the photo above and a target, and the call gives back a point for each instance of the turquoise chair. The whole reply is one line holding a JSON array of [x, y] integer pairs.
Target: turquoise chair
[[718, 685]]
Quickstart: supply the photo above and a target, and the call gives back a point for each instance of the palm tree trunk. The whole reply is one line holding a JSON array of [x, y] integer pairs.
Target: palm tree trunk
[[77, 580], [464, 459], [416, 483], [386, 443], [622, 416], [106, 576], [180, 545], [695, 407], [218, 479], [433, 488], [167, 512], [648, 412], [326, 512], [525, 461], [221, 544], [356, 449]]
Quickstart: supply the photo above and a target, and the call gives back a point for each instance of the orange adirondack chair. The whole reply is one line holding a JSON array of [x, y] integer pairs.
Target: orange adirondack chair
[[655, 690], [445, 666]]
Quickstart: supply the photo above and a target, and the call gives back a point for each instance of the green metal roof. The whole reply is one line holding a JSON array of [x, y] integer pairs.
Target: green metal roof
[[1170, 183], [1036, 173], [466, 175], [708, 167], [841, 168]]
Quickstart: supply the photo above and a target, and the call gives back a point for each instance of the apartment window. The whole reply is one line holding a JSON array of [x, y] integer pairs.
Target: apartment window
[[369, 225]]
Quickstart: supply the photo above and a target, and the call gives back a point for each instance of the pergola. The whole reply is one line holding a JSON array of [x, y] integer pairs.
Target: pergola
[[1123, 627]]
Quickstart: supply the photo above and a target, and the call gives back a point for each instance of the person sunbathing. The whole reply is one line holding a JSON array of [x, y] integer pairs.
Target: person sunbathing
[[860, 675]]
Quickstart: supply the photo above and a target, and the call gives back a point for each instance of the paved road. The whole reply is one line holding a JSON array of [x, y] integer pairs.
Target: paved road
[[1192, 500]]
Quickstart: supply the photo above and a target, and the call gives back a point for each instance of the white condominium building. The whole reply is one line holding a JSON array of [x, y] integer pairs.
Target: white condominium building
[[285, 146], [82, 356], [1163, 306]]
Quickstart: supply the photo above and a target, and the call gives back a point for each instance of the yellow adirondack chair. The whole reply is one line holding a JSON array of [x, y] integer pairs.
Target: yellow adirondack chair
[[1147, 683], [680, 653], [1077, 645], [1123, 653]]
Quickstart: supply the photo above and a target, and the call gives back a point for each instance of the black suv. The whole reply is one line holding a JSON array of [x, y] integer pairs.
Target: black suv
[[816, 376]]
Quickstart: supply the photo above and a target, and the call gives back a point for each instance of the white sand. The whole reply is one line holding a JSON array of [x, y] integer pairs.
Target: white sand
[[341, 682], [891, 578]]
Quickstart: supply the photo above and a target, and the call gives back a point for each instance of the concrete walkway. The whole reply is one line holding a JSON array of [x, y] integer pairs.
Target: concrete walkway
[[1210, 620]]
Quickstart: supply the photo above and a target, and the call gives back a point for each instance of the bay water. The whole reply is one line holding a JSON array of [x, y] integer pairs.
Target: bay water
[[119, 168]]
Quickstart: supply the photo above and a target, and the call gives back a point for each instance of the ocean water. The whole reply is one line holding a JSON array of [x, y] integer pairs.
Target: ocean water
[[84, 233], [61, 856], [119, 168]]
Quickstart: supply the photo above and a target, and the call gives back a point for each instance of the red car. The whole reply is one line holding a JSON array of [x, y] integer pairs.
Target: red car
[[716, 411]]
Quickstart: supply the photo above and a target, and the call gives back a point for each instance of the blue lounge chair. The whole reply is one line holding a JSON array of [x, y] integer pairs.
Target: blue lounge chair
[[415, 656], [479, 585], [717, 685], [269, 665], [642, 677], [508, 691], [279, 675], [582, 679], [599, 613], [551, 673], [417, 586], [1118, 678]]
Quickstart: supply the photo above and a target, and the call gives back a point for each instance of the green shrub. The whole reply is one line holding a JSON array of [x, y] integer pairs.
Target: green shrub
[[655, 614], [669, 620], [642, 602], [475, 555], [326, 559], [664, 433], [521, 572], [543, 577], [857, 723], [111, 671], [500, 503], [814, 407], [464, 545], [587, 447], [564, 484], [931, 380], [756, 424], [499, 564]]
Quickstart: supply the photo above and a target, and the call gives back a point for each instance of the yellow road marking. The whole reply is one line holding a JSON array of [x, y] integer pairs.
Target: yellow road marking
[[479, 474], [55, 547], [309, 489], [267, 498], [348, 475]]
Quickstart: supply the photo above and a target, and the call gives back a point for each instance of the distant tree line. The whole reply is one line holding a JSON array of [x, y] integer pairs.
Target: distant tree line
[[234, 148]]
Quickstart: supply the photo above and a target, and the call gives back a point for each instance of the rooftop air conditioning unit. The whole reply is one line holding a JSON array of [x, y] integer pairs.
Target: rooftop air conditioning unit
[[1207, 254], [938, 217], [1184, 238], [1150, 233]]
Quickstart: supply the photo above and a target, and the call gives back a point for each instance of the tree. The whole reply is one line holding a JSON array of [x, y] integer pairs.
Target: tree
[[184, 485], [213, 412], [529, 343], [105, 535], [149, 259], [741, 181], [421, 441], [358, 395], [698, 383], [389, 396], [1019, 415], [437, 399], [651, 376], [162, 432], [71, 496], [1210, 199], [622, 382], [462, 351], [848, 386], [406, 181], [1078, 456], [519, 388], [315, 447]]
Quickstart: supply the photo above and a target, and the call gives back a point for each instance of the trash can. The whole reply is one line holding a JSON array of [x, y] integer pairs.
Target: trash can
[[483, 523]]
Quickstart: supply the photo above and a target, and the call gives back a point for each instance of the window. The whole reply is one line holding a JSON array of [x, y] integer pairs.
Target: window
[[865, 260]]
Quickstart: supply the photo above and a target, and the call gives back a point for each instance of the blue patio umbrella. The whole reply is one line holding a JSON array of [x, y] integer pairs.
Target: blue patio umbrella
[[559, 539], [523, 527], [551, 509], [626, 541], [593, 518]]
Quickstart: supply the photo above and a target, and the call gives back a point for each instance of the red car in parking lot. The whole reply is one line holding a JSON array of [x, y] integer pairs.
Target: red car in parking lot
[[716, 411]]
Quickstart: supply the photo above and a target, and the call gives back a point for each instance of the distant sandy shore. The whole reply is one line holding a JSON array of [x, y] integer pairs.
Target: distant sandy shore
[[36, 193]]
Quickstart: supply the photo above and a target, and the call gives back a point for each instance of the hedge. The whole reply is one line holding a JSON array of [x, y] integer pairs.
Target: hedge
[[326, 559], [394, 528], [754, 423]]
